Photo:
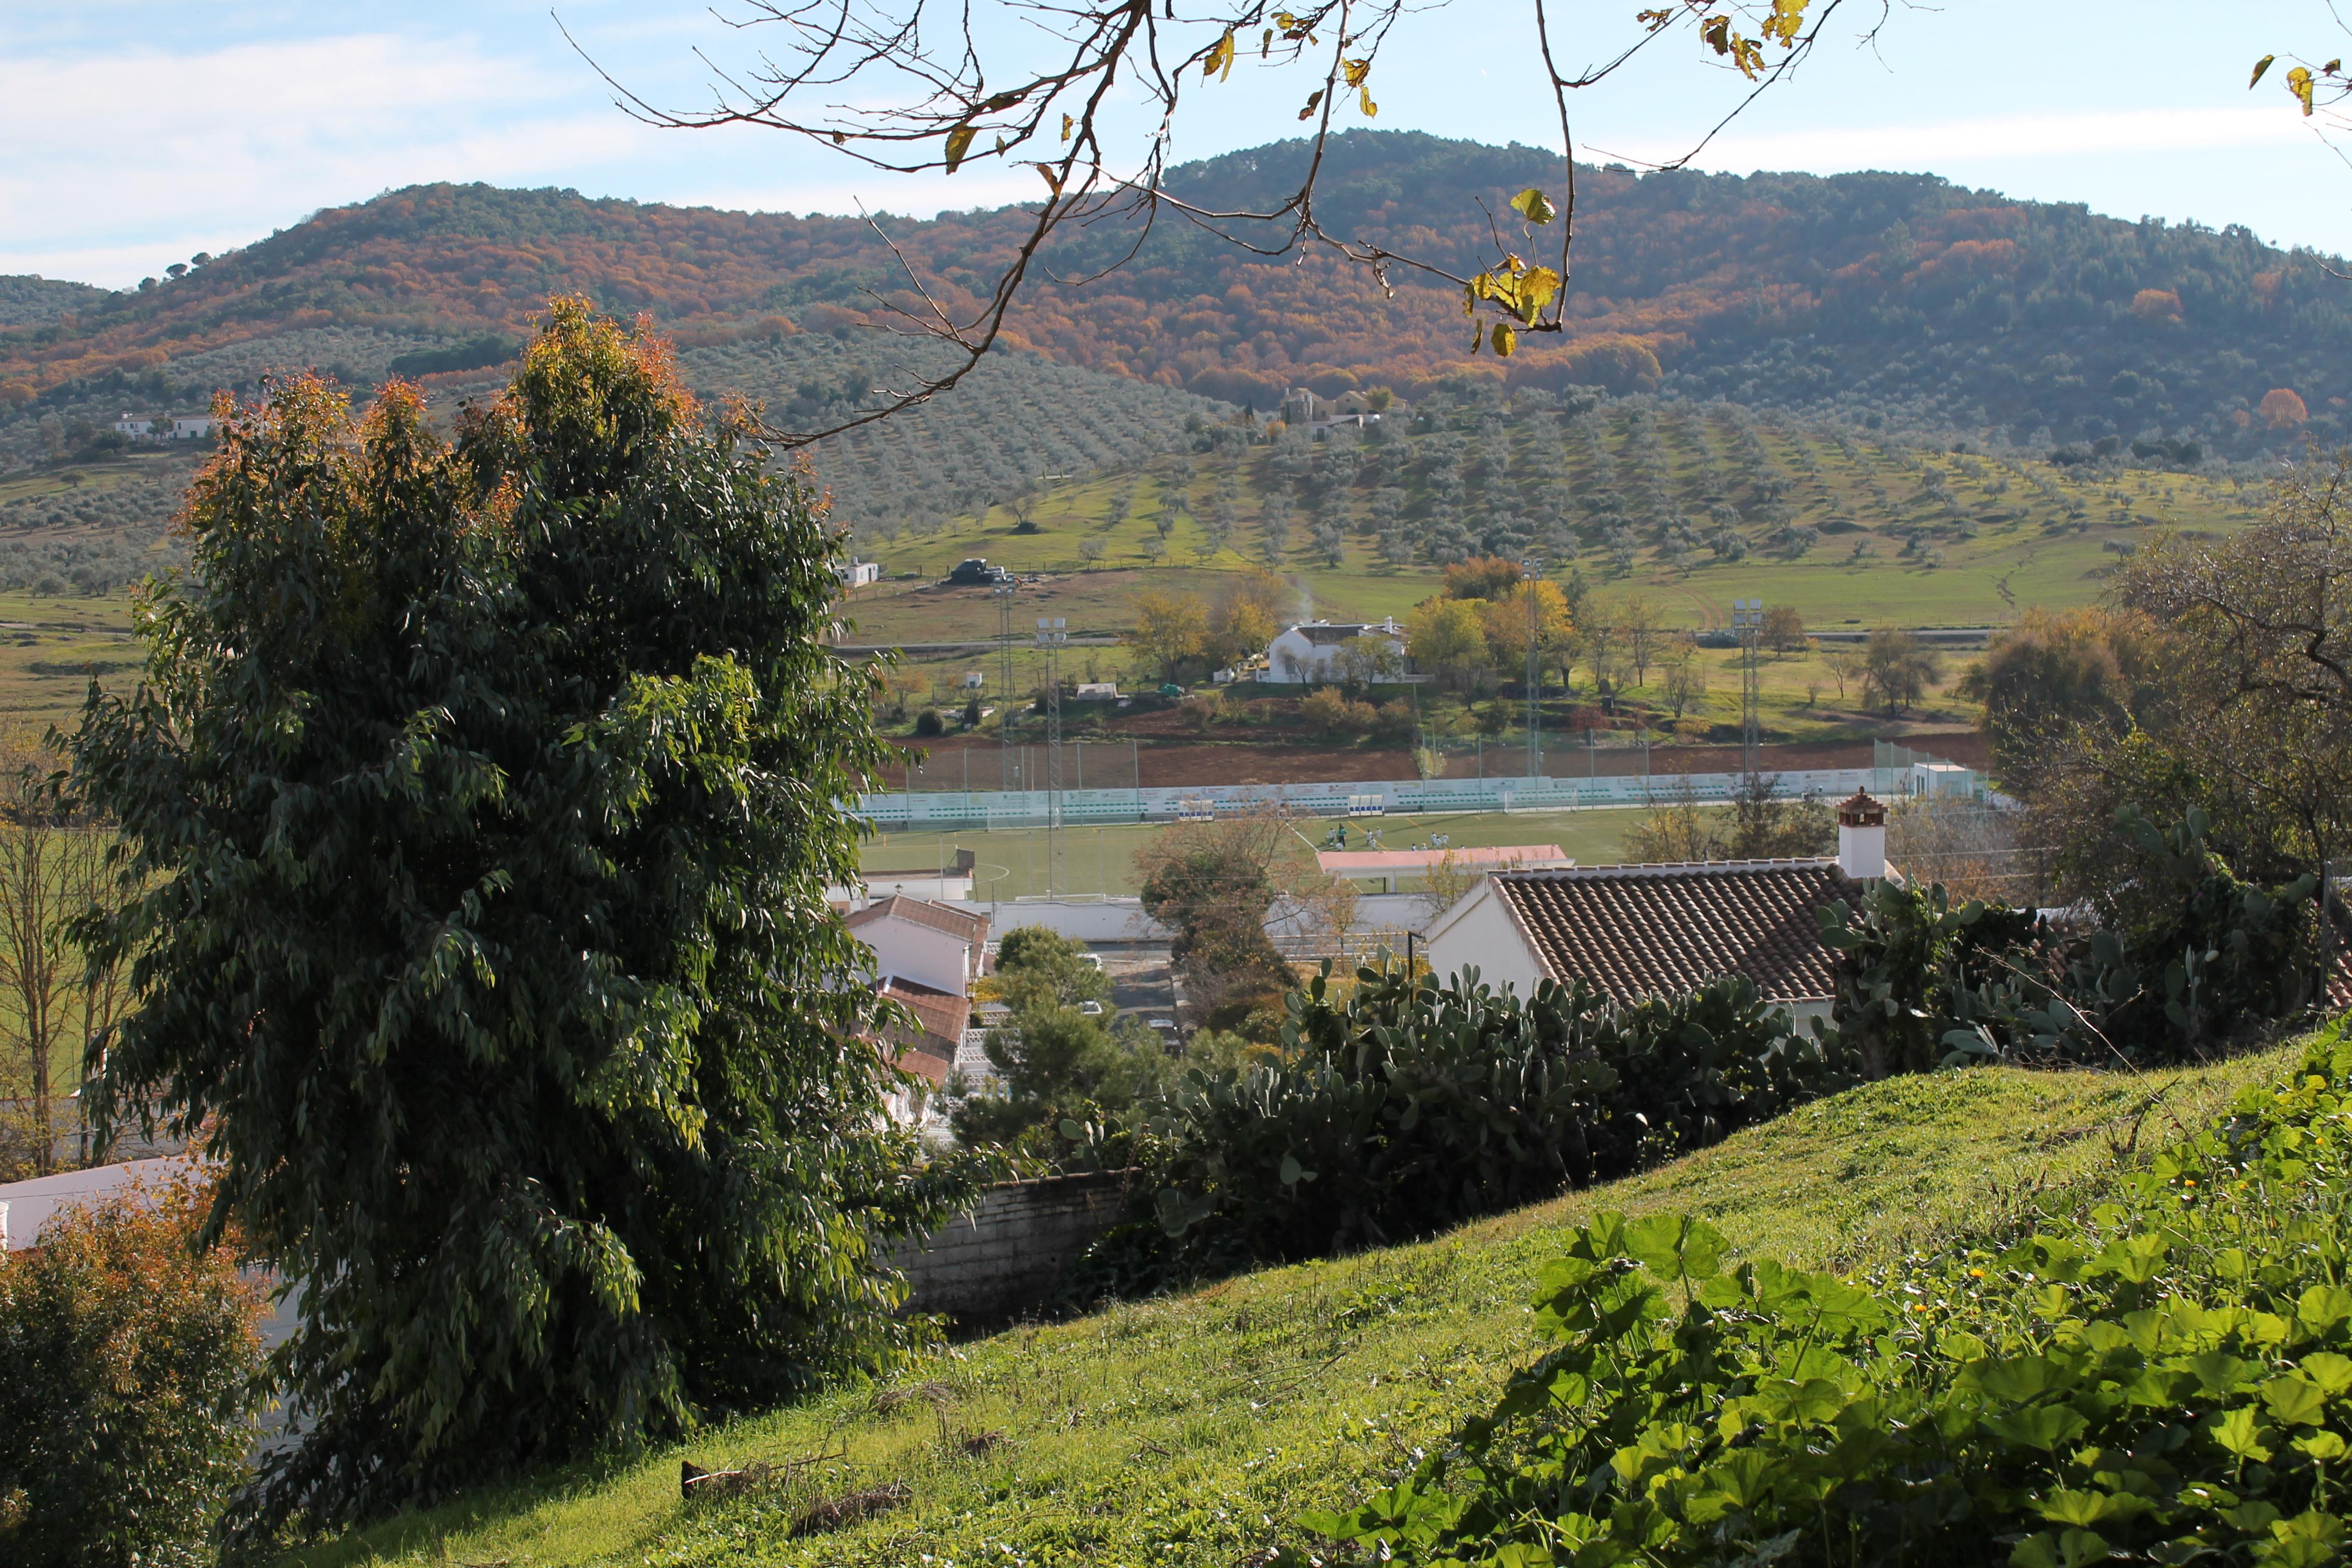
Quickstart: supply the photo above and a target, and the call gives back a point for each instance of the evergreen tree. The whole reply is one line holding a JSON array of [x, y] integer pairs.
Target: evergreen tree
[[478, 811]]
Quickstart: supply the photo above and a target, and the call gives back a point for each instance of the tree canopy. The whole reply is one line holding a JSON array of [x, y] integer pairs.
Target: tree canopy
[[477, 809]]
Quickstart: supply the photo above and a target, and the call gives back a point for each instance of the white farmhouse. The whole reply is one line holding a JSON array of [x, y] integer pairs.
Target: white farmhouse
[[179, 427], [1310, 654], [858, 574]]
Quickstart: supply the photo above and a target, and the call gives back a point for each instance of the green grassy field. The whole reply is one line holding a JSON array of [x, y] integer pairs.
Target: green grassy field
[[1012, 861], [1995, 536], [49, 649], [1191, 1430]]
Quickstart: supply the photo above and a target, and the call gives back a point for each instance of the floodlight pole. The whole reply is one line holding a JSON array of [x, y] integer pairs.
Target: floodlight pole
[[1002, 593], [1748, 620], [1532, 567], [1052, 636]]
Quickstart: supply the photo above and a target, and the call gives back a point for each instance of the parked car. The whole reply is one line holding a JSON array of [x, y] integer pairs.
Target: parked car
[[976, 573], [1090, 1009]]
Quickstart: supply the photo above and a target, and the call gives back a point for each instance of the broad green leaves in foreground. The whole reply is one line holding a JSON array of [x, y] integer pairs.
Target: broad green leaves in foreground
[[2167, 1379]]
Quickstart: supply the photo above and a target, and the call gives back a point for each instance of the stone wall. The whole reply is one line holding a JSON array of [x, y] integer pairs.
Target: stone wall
[[1005, 1259]]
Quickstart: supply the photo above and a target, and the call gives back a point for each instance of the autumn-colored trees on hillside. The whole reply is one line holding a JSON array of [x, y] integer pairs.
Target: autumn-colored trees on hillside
[[1777, 287]]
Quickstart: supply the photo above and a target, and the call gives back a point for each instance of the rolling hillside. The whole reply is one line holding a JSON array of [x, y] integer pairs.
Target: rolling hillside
[[1689, 504], [1196, 1429], [1903, 296], [1761, 392]]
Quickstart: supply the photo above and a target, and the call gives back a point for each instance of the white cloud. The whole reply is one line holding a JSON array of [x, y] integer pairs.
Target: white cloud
[[111, 153], [1951, 143]]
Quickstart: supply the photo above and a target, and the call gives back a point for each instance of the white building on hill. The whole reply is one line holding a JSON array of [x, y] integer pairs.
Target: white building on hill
[[1316, 653]]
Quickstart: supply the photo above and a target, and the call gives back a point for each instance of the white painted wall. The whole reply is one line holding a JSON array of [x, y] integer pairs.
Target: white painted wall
[[1480, 933], [919, 953]]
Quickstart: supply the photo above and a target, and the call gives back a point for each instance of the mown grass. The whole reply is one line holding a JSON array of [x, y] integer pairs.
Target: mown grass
[[1193, 1429]]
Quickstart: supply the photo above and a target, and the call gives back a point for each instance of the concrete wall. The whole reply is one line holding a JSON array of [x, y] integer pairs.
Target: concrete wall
[[1005, 1259], [1087, 920], [1123, 920], [1480, 933], [948, 809], [922, 953]]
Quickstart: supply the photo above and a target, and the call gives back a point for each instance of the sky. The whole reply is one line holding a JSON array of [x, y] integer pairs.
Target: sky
[[139, 133]]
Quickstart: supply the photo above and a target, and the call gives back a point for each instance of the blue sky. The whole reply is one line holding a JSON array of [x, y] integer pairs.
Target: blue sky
[[140, 132]]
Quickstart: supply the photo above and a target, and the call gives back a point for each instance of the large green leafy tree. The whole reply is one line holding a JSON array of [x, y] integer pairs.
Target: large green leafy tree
[[477, 809]]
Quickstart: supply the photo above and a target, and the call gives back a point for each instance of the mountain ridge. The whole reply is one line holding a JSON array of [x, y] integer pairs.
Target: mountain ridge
[[1901, 296]]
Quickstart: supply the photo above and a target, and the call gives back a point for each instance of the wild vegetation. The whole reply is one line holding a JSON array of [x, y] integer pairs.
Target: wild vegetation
[[2161, 1376], [1197, 1429], [127, 1415]]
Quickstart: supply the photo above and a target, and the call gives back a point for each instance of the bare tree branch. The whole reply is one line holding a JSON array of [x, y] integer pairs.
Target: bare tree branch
[[909, 86]]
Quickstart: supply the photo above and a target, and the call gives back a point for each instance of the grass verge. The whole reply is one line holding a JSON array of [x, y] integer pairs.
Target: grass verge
[[1192, 1430]]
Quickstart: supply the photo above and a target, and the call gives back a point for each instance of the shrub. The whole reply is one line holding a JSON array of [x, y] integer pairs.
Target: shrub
[[1330, 710], [2202, 962], [126, 1408], [1415, 1104], [929, 724], [2165, 1377]]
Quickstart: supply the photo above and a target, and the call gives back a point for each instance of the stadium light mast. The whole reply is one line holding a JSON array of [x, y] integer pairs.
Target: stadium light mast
[[1053, 636], [1748, 620], [1003, 594], [1532, 567]]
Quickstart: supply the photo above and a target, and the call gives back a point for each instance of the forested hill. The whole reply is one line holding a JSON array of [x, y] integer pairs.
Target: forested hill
[[1899, 296]]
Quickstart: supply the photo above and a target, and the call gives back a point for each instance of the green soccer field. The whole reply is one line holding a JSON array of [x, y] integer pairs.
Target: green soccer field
[[1012, 862]]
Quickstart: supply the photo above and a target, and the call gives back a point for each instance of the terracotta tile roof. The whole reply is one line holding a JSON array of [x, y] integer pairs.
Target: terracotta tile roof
[[942, 1015], [1643, 930], [922, 912], [931, 1070], [940, 1019]]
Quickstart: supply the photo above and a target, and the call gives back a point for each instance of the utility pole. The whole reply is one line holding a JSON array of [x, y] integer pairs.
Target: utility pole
[[1002, 593], [1532, 568], [1748, 620], [1052, 636]]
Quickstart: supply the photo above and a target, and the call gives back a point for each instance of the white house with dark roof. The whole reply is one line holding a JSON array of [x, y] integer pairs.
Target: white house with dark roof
[[1310, 653], [1647, 931]]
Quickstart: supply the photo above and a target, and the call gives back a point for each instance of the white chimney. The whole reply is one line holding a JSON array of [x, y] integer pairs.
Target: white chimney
[[1862, 837]]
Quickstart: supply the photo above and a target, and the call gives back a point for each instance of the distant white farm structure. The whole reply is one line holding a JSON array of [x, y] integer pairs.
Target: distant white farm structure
[[1316, 653], [180, 428], [1303, 410]]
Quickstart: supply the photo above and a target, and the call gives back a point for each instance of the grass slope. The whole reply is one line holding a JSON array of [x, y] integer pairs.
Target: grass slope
[[1190, 1430]]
